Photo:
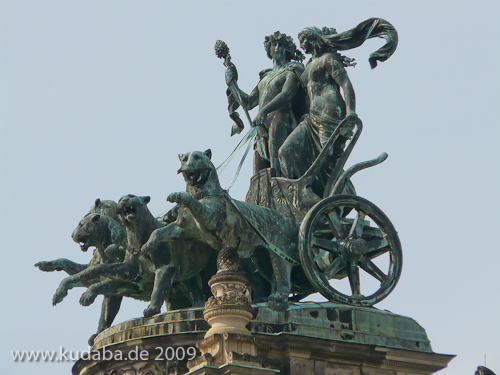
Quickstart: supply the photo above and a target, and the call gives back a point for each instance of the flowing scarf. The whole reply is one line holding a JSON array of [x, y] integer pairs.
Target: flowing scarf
[[355, 37]]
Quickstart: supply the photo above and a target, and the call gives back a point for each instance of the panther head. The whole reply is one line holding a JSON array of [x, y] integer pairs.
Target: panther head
[[88, 232], [131, 207], [105, 207], [196, 167]]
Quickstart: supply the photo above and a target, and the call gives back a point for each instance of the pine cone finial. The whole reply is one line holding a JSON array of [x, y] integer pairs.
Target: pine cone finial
[[228, 259], [221, 49]]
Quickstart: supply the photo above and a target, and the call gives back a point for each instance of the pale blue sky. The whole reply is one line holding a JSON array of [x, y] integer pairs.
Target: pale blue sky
[[98, 98]]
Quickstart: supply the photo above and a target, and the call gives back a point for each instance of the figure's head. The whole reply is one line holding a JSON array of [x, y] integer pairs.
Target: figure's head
[[316, 41], [280, 45], [308, 38], [311, 38]]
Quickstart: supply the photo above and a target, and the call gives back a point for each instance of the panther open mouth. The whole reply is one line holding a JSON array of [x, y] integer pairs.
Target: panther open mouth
[[196, 177], [84, 245], [83, 240], [130, 212]]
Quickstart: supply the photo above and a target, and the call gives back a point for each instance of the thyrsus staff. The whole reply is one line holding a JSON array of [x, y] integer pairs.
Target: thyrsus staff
[[279, 96], [222, 52]]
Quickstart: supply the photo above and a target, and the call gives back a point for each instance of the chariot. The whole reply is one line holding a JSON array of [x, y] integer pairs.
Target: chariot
[[342, 237]]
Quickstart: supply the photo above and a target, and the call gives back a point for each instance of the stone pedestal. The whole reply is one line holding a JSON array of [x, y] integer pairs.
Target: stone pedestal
[[309, 338], [229, 310], [228, 346]]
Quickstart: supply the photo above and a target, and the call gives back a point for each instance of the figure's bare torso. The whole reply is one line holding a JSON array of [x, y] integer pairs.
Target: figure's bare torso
[[322, 89], [269, 87]]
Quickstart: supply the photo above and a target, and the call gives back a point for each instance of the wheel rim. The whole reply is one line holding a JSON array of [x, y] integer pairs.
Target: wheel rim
[[334, 247]]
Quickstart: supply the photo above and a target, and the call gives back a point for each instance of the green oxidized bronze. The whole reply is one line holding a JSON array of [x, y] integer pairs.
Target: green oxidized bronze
[[301, 228]]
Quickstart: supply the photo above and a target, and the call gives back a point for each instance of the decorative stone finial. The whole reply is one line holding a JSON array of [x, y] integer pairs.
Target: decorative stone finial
[[229, 310], [228, 260], [228, 344]]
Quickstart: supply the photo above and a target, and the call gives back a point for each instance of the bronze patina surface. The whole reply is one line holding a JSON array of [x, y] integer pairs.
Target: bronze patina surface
[[302, 228]]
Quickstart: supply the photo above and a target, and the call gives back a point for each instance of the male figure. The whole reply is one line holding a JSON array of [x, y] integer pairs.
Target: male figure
[[278, 97]]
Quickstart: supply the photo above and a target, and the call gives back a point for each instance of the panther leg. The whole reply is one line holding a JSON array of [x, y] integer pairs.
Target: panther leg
[[163, 282], [62, 290], [109, 309], [94, 290], [193, 290], [61, 264], [201, 212], [281, 273], [112, 288], [165, 234], [85, 277]]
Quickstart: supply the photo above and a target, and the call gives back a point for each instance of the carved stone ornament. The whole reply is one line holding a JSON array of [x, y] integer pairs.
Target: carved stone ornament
[[229, 310], [139, 368], [228, 342]]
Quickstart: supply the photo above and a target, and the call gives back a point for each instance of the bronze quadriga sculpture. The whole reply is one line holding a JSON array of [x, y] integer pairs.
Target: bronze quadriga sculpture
[[301, 228]]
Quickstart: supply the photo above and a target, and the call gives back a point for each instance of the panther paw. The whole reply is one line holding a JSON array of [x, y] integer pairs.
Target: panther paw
[[149, 246], [59, 296], [87, 298], [45, 266], [151, 311], [92, 339], [278, 302], [179, 197], [174, 197]]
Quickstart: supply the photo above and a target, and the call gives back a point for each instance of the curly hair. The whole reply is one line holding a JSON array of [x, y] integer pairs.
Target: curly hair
[[316, 37], [292, 52]]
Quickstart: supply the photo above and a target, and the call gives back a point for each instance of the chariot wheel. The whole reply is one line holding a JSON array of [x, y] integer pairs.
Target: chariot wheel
[[346, 241]]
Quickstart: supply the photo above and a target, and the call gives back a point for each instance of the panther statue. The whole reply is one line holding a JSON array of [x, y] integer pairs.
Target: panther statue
[[107, 236], [135, 276], [208, 214]]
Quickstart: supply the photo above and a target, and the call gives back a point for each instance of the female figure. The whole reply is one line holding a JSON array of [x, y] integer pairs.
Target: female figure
[[331, 95], [324, 77]]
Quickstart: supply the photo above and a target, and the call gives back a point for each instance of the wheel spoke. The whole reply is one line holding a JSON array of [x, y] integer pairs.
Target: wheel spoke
[[327, 245], [353, 273], [335, 224], [337, 249], [319, 256], [357, 225], [373, 270], [376, 247], [334, 268]]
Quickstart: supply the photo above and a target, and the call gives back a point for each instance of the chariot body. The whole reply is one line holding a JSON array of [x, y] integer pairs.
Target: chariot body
[[349, 250]]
